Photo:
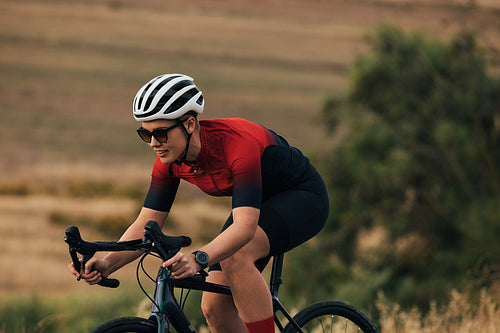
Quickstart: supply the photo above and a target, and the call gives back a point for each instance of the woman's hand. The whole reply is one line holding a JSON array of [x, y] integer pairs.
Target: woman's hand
[[93, 271], [183, 266]]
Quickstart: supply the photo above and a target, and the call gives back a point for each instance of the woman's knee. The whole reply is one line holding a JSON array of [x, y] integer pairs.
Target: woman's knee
[[245, 258], [235, 263], [217, 308]]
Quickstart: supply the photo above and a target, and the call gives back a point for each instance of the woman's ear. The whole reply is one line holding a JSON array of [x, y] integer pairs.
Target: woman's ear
[[191, 124]]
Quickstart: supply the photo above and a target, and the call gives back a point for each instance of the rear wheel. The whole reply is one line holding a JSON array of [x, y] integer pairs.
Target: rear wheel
[[330, 316], [127, 324]]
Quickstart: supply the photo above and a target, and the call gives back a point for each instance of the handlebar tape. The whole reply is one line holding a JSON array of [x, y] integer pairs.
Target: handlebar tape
[[110, 283]]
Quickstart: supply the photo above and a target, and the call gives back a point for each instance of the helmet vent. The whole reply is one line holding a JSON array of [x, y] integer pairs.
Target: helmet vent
[[141, 98], [166, 96], [200, 100], [182, 100]]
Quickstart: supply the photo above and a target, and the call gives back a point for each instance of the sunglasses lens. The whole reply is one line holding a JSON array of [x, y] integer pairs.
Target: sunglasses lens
[[160, 135], [145, 135]]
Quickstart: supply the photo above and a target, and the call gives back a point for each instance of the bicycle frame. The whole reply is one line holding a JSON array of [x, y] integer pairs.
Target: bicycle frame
[[275, 283], [167, 311]]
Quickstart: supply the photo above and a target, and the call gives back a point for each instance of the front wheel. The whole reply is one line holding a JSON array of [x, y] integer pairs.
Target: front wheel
[[127, 324], [330, 316]]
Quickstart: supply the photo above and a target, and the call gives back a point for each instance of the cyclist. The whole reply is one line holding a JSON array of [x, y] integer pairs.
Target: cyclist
[[278, 199]]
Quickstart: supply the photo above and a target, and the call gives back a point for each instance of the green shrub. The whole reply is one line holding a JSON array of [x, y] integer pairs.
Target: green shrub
[[420, 159], [73, 313]]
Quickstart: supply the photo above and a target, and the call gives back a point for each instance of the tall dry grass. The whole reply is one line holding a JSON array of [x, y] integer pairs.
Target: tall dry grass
[[463, 314]]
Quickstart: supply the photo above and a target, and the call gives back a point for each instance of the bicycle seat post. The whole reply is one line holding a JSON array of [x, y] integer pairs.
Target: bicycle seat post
[[276, 280]]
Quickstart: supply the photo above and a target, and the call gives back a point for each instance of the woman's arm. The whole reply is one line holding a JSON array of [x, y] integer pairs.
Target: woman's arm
[[237, 235]]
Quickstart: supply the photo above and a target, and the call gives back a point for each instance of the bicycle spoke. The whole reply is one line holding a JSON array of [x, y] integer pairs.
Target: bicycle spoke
[[321, 323], [331, 324]]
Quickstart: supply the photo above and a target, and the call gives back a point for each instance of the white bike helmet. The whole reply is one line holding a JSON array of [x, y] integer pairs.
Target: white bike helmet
[[167, 96]]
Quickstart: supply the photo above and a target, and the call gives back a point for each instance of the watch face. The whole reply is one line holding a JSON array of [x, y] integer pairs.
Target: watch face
[[202, 258]]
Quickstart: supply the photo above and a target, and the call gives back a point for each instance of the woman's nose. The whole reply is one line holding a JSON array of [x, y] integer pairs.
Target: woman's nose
[[154, 142]]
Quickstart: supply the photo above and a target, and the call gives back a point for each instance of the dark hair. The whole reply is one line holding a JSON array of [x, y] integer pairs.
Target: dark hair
[[189, 114]]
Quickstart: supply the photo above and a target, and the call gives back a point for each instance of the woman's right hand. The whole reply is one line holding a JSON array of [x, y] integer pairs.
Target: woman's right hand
[[93, 273]]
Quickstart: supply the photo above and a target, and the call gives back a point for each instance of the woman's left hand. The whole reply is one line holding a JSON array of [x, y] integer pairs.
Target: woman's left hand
[[183, 266]]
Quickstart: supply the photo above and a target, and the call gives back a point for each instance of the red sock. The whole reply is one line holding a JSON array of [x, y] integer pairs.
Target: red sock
[[263, 326]]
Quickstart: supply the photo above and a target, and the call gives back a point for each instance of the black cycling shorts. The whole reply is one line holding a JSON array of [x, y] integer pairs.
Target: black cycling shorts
[[291, 217]]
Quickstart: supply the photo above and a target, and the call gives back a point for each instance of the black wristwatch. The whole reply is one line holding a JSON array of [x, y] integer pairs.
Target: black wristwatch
[[201, 258]]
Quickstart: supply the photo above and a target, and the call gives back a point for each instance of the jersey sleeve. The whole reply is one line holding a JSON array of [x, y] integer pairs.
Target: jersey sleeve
[[163, 188], [244, 161]]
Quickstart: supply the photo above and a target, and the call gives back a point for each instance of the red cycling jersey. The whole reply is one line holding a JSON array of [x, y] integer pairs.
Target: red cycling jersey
[[232, 161]]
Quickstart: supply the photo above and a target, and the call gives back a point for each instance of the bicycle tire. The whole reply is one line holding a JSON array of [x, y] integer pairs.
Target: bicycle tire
[[127, 324], [331, 316]]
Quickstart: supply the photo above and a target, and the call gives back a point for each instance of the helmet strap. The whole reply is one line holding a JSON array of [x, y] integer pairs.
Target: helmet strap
[[182, 159]]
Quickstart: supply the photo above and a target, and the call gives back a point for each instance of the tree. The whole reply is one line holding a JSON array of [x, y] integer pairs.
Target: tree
[[419, 165]]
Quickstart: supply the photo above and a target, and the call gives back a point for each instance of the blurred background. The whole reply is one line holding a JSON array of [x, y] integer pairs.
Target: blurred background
[[396, 102]]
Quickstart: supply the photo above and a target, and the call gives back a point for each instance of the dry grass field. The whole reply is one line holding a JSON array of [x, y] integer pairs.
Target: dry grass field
[[69, 71]]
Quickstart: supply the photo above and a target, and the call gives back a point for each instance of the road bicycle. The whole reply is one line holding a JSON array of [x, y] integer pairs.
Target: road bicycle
[[167, 312]]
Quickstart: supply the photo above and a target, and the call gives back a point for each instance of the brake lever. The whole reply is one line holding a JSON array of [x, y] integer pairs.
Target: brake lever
[[75, 242], [85, 258], [76, 261], [79, 265]]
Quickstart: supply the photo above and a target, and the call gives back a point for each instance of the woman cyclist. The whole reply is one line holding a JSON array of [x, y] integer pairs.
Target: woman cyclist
[[278, 199]]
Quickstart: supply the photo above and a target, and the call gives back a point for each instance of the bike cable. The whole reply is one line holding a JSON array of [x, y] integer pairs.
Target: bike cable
[[183, 301], [183, 298], [141, 264]]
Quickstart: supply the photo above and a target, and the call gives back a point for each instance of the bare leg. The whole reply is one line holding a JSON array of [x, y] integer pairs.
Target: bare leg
[[219, 310], [251, 301], [250, 291]]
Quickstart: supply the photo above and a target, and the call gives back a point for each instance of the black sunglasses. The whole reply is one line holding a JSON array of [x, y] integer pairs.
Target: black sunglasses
[[160, 134]]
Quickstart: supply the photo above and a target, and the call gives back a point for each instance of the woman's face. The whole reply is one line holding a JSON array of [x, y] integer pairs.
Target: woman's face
[[173, 148]]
